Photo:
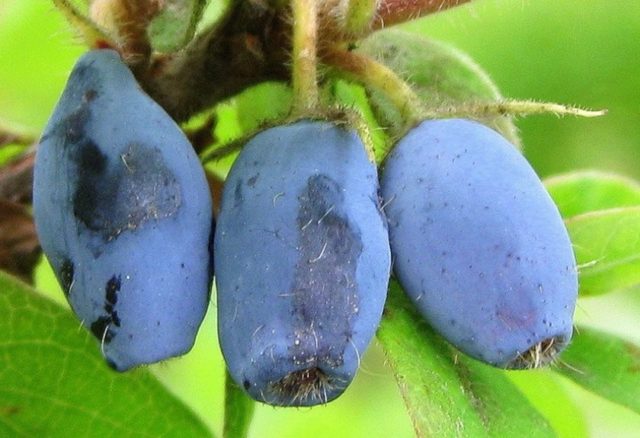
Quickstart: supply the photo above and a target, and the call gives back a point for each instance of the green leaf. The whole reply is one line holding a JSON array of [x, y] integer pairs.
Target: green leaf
[[439, 74], [9, 152], [256, 108], [448, 394], [176, 24], [584, 191], [607, 248], [605, 365], [264, 103], [545, 390], [353, 96], [238, 410], [55, 383]]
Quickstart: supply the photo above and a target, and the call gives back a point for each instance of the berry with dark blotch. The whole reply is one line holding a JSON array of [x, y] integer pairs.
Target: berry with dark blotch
[[302, 263], [123, 213], [478, 244]]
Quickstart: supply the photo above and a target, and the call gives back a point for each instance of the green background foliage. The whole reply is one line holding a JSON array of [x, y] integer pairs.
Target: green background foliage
[[575, 52]]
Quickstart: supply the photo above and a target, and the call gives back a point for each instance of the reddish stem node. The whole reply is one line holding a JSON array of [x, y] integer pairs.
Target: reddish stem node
[[398, 11]]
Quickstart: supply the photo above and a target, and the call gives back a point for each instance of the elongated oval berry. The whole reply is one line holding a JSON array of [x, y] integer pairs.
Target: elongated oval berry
[[302, 263], [478, 244], [123, 213]]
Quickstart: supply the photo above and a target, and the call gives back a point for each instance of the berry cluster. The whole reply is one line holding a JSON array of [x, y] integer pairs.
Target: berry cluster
[[302, 249]]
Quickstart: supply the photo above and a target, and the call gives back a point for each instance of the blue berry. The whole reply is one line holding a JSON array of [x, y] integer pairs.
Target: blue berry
[[123, 213], [302, 263], [478, 244]]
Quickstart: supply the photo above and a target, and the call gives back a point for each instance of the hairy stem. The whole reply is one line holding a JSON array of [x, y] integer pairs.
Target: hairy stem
[[92, 34], [377, 76], [129, 21], [304, 74], [398, 11], [10, 136], [248, 47], [359, 16], [509, 107], [16, 179], [348, 20]]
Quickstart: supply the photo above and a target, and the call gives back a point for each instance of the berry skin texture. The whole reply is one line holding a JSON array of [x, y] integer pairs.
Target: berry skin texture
[[123, 213], [302, 263], [479, 245]]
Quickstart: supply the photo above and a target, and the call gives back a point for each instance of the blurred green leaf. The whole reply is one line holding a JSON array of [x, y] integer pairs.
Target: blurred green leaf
[[238, 410], [9, 152], [261, 104], [176, 24], [605, 365], [37, 50], [54, 382], [439, 74], [545, 391], [244, 115], [581, 192], [354, 96], [448, 394], [607, 248]]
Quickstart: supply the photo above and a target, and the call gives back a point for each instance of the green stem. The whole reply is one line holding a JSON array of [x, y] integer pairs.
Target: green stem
[[128, 21], [508, 108], [359, 16], [238, 410], [377, 76], [304, 56], [14, 136], [92, 34]]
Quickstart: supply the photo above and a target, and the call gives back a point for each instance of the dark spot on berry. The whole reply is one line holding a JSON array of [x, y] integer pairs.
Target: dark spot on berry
[[90, 95], [246, 384], [74, 125], [122, 193], [66, 276], [90, 159], [82, 72], [111, 290], [101, 330], [115, 318], [237, 194], [251, 182], [325, 286]]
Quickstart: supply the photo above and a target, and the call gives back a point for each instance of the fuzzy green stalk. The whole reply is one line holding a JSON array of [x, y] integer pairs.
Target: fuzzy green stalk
[[359, 16], [93, 36], [376, 76], [509, 107], [304, 56]]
